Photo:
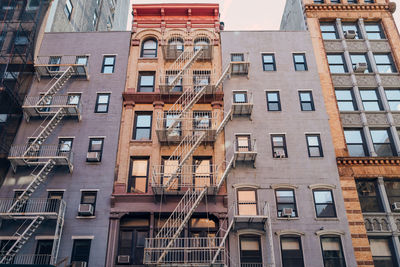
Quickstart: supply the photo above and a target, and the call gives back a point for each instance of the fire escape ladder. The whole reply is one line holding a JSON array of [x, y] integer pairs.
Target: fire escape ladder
[[46, 130], [178, 219], [39, 178], [182, 63], [224, 122], [222, 244], [56, 86], [21, 239], [224, 75], [225, 174], [57, 235]]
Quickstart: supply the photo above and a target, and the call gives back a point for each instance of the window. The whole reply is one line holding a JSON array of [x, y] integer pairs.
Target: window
[[247, 202], [53, 201], [370, 100], [352, 27], [285, 199], [73, 99], [374, 31], [292, 254], [170, 76], [54, 61], [64, 146], [81, 60], [202, 171], [201, 78], [89, 197], [68, 9], [314, 145], [352, 1], [108, 64], [328, 31], [102, 102], [368, 1], [22, 208], [368, 194], [201, 120], [332, 251], [250, 250], [243, 143], [237, 57], [146, 82], [149, 48], [176, 43], [139, 169], [336, 63], [382, 251], [94, 18], [33, 4], [392, 188], [324, 204], [21, 40], [306, 101], [355, 142], [357, 59], [170, 120], [382, 142], [319, 1], [201, 42], [237, 67], [43, 252], [81, 250], [278, 142], [393, 98], [240, 97], [142, 130], [169, 166], [273, 101], [335, 1], [300, 62], [96, 145], [268, 62], [345, 100], [384, 63]]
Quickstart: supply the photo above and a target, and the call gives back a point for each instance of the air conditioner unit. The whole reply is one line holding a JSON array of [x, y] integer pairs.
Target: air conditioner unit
[[396, 206], [360, 67], [280, 154], [93, 157], [79, 264], [287, 212], [85, 210], [350, 34], [124, 259]]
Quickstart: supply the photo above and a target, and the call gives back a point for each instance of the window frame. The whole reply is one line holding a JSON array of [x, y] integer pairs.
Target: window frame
[[254, 237], [341, 248], [329, 204], [378, 100], [144, 88], [104, 65], [377, 198], [294, 203], [380, 32], [353, 100], [321, 152], [310, 102], [272, 63], [73, 257], [255, 200], [96, 150], [343, 64], [298, 239], [284, 145], [393, 100], [96, 108], [335, 31], [278, 101], [89, 193], [132, 179], [304, 63], [144, 51], [391, 248], [353, 65], [363, 141], [68, 10], [391, 63], [390, 196], [135, 127], [390, 138]]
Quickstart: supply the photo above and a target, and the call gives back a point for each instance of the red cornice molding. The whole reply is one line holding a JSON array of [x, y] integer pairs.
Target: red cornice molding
[[149, 98], [368, 161]]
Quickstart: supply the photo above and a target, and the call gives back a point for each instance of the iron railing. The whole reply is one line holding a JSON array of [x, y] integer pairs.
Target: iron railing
[[32, 206], [30, 259]]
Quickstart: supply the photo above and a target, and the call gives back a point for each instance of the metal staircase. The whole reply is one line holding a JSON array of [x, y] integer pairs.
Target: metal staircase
[[22, 236]]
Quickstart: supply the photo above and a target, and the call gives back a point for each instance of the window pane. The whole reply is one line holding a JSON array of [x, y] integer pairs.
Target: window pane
[[150, 44], [147, 80], [96, 144], [109, 60], [380, 136], [285, 196], [139, 168], [268, 58], [240, 97], [103, 99], [313, 140], [143, 121], [369, 196], [323, 197], [108, 69]]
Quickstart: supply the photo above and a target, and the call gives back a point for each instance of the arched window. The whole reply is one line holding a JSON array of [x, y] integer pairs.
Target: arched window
[[250, 250], [332, 251], [291, 250], [176, 43], [149, 48], [201, 42]]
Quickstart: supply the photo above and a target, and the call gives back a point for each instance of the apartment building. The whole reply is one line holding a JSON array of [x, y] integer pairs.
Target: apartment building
[[284, 195], [54, 202], [88, 15], [356, 43], [168, 203]]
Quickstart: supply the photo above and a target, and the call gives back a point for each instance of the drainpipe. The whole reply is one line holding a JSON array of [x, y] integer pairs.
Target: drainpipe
[[270, 244]]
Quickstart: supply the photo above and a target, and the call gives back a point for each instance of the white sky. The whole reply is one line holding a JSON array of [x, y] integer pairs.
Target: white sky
[[253, 14]]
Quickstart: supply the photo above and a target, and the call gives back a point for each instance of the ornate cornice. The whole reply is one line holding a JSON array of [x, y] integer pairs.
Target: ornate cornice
[[350, 7], [368, 161]]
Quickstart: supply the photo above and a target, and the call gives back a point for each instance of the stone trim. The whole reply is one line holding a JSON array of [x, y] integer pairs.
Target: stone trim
[[322, 186], [348, 7], [329, 232], [289, 232], [367, 161]]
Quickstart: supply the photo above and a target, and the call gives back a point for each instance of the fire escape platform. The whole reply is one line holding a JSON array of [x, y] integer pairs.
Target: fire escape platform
[[34, 110], [47, 208], [46, 68]]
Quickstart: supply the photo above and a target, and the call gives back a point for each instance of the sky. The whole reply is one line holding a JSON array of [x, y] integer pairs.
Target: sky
[[262, 15]]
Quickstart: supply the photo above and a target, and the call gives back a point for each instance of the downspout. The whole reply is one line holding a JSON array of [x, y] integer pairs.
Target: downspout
[[270, 244]]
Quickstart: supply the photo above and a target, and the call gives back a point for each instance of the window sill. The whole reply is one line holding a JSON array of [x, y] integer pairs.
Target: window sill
[[327, 219], [107, 73], [93, 163], [141, 141], [288, 218], [148, 58], [85, 217]]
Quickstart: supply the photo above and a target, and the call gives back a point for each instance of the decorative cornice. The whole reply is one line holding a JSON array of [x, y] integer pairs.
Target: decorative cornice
[[348, 7], [368, 161]]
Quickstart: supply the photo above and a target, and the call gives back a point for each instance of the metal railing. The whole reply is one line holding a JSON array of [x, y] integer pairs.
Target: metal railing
[[45, 65], [28, 259], [45, 151], [195, 78], [243, 147], [33, 205], [259, 209], [189, 121], [250, 264], [53, 106], [184, 250], [189, 176]]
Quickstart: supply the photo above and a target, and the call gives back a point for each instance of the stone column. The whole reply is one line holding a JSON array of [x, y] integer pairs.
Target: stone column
[[113, 235]]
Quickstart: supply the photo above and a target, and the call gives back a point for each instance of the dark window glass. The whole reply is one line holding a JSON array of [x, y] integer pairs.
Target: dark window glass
[[292, 254], [332, 252], [351, 27], [382, 252], [96, 145], [368, 195], [319, 1], [278, 142], [374, 31], [149, 48], [68, 9], [170, 120], [250, 250], [285, 199], [300, 62], [89, 197], [273, 101], [268, 62], [392, 188], [54, 61], [108, 64], [240, 97], [170, 78], [335, 1], [393, 98], [102, 103], [81, 250], [384, 63], [43, 252], [355, 142], [64, 146], [201, 120], [345, 100], [370, 100], [306, 101], [352, 1], [132, 243], [382, 142], [357, 59], [53, 201], [369, 1], [328, 31], [324, 204], [138, 175], [336, 63], [146, 82], [314, 145], [142, 130]]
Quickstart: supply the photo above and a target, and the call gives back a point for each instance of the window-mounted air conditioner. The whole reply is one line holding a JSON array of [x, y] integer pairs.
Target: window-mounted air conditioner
[[287, 212], [360, 67], [85, 210], [79, 264], [280, 154], [396, 206], [350, 34], [93, 157], [124, 259]]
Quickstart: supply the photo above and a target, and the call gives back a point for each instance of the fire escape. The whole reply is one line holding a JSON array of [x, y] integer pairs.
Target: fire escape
[[182, 126], [51, 108]]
